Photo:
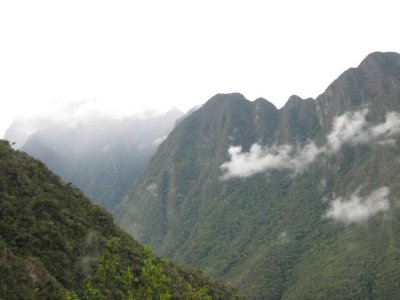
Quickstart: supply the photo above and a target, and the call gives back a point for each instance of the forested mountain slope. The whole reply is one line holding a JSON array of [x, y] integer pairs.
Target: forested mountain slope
[[300, 202], [51, 238]]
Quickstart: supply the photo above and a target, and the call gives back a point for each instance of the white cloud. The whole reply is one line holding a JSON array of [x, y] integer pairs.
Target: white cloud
[[353, 128], [159, 140], [358, 209], [389, 128], [260, 159], [350, 128]]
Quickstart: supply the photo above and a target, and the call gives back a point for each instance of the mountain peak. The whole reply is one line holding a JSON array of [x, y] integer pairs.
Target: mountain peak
[[375, 78], [380, 59], [227, 98], [264, 101], [293, 101], [256, 195]]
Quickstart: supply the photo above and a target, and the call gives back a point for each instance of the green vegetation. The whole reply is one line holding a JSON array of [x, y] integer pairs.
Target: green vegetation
[[266, 234], [113, 280], [53, 239]]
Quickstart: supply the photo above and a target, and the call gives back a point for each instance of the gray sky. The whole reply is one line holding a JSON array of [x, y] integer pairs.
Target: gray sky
[[129, 56]]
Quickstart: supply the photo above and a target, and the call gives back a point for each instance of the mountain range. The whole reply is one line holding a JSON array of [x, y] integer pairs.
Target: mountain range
[[102, 155], [300, 202]]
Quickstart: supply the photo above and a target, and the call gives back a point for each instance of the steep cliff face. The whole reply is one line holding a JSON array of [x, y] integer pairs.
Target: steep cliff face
[[295, 203], [374, 84], [298, 121]]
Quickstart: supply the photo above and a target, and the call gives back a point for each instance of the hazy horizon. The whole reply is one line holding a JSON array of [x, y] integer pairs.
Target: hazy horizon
[[129, 57]]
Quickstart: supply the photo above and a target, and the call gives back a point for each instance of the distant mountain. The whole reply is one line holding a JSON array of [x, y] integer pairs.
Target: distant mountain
[[300, 202], [103, 156], [51, 238]]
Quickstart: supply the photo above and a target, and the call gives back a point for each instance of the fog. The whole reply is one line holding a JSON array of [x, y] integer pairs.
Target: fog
[[101, 152], [92, 115]]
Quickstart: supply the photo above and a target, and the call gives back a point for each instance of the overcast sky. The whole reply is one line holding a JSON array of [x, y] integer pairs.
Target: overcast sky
[[131, 55]]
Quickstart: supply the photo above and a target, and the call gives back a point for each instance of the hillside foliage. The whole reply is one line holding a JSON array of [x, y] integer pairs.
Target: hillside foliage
[[54, 241]]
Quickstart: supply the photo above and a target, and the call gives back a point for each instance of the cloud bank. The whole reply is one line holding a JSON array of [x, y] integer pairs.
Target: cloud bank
[[350, 128], [358, 209]]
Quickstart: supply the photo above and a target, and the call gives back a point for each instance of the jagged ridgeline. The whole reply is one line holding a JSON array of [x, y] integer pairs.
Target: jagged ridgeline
[[300, 202], [52, 236]]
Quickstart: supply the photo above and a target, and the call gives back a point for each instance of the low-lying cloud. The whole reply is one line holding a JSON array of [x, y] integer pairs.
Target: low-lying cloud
[[350, 128], [159, 140], [260, 159], [358, 209], [354, 129]]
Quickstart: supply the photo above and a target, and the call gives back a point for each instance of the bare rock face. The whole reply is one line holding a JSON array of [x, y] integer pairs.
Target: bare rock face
[[375, 83]]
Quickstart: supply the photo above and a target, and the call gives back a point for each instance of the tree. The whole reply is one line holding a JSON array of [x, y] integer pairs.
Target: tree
[[113, 280]]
